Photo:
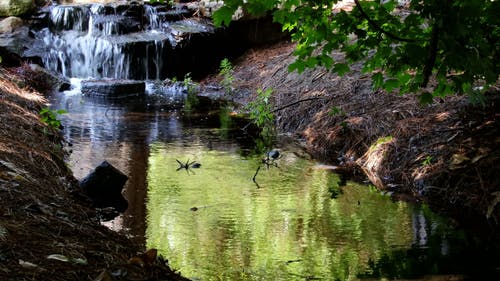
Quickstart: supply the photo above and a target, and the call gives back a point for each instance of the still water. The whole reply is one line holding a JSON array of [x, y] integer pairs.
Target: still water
[[299, 221]]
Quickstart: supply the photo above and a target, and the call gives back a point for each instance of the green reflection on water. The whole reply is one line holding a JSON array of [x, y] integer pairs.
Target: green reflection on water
[[289, 229]]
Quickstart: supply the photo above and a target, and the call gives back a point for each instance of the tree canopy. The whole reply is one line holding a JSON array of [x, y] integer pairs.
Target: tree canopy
[[454, 44]]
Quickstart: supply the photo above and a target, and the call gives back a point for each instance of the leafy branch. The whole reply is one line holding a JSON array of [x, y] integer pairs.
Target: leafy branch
[[453, 42], [378, 27]]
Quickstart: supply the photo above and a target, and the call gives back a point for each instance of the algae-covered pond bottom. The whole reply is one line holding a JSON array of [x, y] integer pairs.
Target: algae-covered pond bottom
[[302, 221]]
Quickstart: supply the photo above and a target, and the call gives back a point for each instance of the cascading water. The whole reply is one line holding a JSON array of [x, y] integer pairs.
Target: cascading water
[[118, 42]]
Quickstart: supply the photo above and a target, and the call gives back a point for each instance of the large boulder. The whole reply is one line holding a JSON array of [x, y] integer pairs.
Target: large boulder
[[16, 7], [8, 25]]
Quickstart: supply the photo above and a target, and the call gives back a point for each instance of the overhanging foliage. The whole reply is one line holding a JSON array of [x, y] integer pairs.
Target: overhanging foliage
[[453, 42]]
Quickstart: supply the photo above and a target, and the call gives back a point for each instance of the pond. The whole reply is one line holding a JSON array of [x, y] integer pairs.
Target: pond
[[298, 221]]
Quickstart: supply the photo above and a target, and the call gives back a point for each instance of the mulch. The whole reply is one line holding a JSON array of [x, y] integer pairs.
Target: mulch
[[445, 154], [47, 232]]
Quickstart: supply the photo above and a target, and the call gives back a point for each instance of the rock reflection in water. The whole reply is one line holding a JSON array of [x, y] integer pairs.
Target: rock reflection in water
[[290, 229]]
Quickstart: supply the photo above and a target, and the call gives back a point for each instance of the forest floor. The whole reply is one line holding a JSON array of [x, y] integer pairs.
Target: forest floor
[[47, 229], [445, 154]]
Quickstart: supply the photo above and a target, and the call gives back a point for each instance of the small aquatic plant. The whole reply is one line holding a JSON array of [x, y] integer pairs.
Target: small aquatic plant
[[49, 117], [226, 71]]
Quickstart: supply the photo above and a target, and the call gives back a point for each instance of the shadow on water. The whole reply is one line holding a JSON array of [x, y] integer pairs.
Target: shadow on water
[[213, 223]]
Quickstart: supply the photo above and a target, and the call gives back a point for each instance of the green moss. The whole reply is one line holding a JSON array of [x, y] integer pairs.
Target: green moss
[[16, 7]]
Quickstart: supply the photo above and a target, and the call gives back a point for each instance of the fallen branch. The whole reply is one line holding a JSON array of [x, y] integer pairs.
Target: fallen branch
[[295, 102]]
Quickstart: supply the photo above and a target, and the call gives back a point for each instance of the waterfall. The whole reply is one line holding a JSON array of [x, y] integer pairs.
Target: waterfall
[[69, 18], [125, 41], [151, 13], [94, 41]]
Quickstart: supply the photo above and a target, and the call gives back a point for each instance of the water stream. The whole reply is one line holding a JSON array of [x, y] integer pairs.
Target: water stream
[[301, 222]]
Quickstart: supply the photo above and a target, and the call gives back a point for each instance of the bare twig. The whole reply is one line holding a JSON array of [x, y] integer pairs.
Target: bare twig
[[255, 175]]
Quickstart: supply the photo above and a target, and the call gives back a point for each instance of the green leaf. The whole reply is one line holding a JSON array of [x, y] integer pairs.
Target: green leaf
[[425, 98], [299, 66], [467, 40], [391, 84], [403, 78], [223, 16], [259, 7], [378, 80], [341, 68], [390, 5]]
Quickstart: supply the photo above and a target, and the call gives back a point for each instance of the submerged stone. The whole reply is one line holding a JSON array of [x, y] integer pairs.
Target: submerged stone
[[113, 88], [104, 187]]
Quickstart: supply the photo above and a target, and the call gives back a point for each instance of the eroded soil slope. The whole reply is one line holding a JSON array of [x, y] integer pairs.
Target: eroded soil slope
[[45, 232], [446, 153]]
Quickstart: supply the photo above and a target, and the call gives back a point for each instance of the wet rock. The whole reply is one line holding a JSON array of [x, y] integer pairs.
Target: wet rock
[[9, 59], [113, 88], [57, 82], [160, 13], [104, 187], [273, 154], [42, 3], [68, 17], [8, 25], [17, 41], [16, 7], [115, 24], [129, 41]]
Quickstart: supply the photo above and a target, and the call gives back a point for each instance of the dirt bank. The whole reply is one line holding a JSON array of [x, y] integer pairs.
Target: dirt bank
[[445, 153], [45, 232]]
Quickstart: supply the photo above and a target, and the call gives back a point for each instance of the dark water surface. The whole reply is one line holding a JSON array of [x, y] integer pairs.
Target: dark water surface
[[214, 223]]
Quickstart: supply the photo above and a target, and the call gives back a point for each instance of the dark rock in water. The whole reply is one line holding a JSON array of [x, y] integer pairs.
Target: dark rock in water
[[10, 59], [113, 88], [64, 87], [52, 79], [104, 187]]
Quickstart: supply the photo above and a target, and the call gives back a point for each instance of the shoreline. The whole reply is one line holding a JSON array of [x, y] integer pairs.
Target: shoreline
[[443, 154]]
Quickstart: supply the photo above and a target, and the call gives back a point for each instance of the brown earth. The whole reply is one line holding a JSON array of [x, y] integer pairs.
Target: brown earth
[[47, 232], [445, 154]]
